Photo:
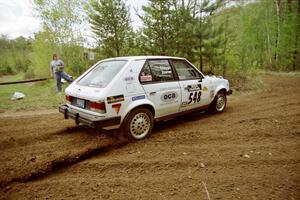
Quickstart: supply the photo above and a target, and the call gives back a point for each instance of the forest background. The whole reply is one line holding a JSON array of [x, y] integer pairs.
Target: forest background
[[235, 39]]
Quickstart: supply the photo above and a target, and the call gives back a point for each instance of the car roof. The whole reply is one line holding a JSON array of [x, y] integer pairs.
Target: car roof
[[143, 57]]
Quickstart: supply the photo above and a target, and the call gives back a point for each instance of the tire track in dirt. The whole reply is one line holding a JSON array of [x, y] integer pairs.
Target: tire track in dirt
[[58, 162], [29, 151], [11, 142], [61, 162]]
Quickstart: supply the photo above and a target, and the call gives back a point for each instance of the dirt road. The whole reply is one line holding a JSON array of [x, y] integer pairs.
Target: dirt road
[[251, 151]]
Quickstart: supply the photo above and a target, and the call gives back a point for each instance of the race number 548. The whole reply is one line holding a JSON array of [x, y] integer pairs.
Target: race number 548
[[194, 97]]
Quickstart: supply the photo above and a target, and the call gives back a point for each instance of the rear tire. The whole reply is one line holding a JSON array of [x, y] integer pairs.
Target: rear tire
[[138, 124], [219, 103]]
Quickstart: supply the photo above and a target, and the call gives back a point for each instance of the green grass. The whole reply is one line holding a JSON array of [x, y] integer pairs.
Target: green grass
[[38, 95], [10, 78]]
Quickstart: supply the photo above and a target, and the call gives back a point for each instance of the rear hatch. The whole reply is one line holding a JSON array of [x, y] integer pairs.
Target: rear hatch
[[86, 98], [88, 91]]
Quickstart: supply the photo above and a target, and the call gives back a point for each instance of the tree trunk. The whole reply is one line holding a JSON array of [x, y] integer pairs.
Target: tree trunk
[[295, 54], [200, 42], [296, 51], [116, 37], [163, 47], [277, 31], [225, 46], [268, 42], [201, 60]]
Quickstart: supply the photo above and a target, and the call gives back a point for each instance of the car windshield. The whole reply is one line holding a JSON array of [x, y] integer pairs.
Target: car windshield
[[101, 75]]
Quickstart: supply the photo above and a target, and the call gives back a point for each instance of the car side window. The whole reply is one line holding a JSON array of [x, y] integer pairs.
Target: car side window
[[157, 71], [185, 71], [145, 75]]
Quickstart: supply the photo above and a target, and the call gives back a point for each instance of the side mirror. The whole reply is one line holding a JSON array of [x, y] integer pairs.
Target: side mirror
[[201, 78]]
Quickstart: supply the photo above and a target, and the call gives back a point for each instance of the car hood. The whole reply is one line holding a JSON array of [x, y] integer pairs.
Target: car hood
[[214, 77]]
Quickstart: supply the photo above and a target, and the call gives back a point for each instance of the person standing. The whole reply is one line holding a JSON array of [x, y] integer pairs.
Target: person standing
[[57, 70]]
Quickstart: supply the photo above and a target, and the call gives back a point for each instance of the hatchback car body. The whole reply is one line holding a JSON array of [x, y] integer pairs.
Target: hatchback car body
[[132, 93]]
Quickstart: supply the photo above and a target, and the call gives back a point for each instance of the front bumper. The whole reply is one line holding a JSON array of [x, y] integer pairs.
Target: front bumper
[[94, 123], [229, 92]]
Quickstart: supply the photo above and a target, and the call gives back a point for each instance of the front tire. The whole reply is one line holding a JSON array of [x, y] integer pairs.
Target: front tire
[[219, 103], [138, 124]]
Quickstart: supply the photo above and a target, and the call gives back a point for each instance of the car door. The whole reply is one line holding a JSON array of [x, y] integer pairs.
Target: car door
[[192, 94], [161, 87]]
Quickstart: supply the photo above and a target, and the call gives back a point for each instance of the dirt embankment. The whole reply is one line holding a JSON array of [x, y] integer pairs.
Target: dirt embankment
[[251, 151]]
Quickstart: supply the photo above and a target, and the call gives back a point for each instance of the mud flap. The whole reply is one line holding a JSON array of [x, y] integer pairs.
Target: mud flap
[[66, 114], [229, 92], [77, 118]]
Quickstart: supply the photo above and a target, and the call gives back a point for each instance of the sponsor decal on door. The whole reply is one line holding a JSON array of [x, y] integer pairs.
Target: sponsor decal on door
[[169, 97]]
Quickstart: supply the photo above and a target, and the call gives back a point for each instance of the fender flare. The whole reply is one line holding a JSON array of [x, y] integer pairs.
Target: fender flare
[[219, 88], [139, 103]]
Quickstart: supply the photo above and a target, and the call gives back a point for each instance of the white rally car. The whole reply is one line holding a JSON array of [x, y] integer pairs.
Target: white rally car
[[132, 92]]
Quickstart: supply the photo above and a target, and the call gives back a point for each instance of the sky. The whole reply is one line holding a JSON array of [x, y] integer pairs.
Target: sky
[[17, 17]]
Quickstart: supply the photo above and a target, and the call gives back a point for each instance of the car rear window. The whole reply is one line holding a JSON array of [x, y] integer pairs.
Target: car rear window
[[101, 75]]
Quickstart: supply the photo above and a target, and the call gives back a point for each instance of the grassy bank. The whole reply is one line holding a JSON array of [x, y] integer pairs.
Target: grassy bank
[[38, 95]]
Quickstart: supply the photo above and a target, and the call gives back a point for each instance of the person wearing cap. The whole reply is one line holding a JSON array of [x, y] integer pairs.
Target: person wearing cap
[[57, 70]]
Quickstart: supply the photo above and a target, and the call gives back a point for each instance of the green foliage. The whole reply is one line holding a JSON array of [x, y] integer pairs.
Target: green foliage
[[253, 38], [14, 55], [222, 38], [181, 29], [157, 30], [62, 25], [110, 22], [5, 68], [207, 35], [289, 45], [41, 56]]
